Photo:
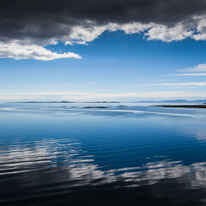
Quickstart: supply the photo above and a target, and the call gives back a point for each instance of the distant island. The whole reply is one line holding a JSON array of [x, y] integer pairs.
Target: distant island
[[91, 107], [103, 102], [45, 102], [177, 101], [173, 101], [183, 106], [38, 102]]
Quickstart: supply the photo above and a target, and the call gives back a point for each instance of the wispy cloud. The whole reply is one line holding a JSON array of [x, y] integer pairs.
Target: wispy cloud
[[198, 68], [191, 74], [91, 96], [183, 84]]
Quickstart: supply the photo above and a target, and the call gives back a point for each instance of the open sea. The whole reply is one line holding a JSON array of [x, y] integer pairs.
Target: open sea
[[65, 154]]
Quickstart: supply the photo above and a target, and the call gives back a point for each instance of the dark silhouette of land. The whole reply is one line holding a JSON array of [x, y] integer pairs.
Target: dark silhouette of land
[[182, 106], [89, 107], [99, 102]]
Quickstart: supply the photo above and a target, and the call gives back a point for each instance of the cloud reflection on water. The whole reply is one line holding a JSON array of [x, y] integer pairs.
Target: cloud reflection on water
[[77, 166]]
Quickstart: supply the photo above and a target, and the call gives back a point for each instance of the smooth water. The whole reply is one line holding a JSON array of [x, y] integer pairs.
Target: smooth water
[[60, 154]]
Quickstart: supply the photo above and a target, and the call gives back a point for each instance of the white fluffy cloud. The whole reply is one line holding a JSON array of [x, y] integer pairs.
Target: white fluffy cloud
[[194, 29], [135, 27], [163, 33], [201, 28], [82, 34], [90, 30], [22, 50]]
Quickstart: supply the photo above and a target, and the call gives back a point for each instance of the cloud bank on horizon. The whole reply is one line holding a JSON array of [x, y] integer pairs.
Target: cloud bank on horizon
[[27, 26], [80, 96]]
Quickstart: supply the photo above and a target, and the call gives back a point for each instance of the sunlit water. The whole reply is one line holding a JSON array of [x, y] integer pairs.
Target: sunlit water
[[60, 154]]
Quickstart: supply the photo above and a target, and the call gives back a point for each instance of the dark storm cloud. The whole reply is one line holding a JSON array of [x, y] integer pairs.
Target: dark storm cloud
[[42, 19]]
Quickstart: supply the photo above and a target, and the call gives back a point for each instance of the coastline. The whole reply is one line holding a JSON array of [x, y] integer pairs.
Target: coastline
[[182, 106]]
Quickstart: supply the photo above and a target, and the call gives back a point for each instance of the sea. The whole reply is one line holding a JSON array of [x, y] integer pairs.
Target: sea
[[95, 154]]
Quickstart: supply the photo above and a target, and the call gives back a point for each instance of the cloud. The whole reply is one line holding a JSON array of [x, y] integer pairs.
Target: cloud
[[90, 31], [194, 71], [17, 50], [51, 18], [45, 22], [198, 68], [183, 84], [164, 33], [93, 96], [187, 28], [192, 74]]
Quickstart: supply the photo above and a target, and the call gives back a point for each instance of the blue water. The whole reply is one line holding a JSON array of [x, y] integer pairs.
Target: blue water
[[63, 154]]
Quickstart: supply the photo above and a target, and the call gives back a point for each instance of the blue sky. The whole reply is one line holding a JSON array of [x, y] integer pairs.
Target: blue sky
[[102, 50], [113, 66]]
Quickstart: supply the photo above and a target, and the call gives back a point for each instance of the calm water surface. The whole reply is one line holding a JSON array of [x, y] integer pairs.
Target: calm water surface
[[60, 154]]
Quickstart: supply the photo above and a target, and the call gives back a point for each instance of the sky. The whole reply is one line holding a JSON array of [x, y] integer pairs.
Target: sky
[[88, 50]]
